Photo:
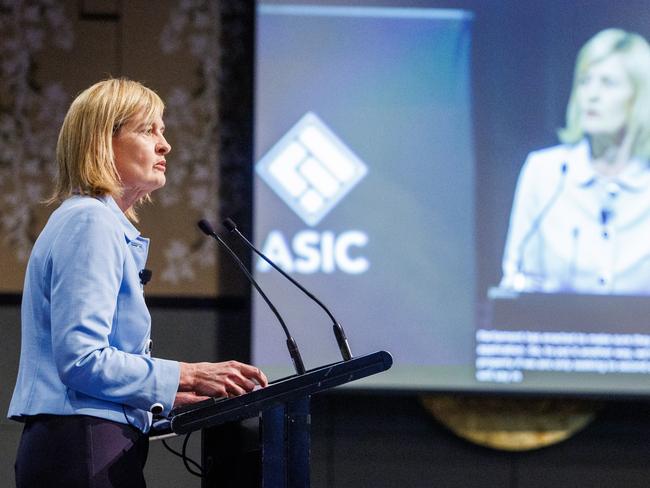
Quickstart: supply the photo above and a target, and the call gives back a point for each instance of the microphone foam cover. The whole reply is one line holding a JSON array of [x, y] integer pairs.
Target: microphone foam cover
[[205, 227], [229, 224]]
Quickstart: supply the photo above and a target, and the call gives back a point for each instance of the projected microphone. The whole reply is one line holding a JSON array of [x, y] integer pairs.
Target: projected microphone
[[537, 222], [339, 333], [292, 346], [575, 236]]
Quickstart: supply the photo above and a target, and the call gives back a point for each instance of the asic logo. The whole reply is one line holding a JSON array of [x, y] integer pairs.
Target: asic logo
[[311, 169], [313, 252]]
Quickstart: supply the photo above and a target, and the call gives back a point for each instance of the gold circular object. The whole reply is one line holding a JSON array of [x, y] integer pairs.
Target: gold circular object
[[512, 424]]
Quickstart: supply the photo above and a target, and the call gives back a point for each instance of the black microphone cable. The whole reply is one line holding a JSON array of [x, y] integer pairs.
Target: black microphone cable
[[187, 461]]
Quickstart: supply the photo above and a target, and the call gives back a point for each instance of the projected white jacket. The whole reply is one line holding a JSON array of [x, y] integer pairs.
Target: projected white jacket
[[574, 230]]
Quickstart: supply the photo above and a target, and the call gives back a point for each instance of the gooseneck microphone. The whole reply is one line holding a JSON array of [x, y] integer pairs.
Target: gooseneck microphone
[[537, 222], [339, 333], [292, 346]]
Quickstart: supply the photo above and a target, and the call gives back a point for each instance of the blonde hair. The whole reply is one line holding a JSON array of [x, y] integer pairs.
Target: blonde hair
[[635, 54], [84, 151]]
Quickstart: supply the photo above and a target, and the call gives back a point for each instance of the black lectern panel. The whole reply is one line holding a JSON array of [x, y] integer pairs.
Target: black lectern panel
[[217, 411]]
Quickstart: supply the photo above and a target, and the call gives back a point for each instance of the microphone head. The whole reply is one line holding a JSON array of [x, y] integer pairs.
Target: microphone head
[[205, 227], [229, 224]]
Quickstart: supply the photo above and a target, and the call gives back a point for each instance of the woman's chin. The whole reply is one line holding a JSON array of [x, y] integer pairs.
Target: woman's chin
[[158, 183], [602, 130]]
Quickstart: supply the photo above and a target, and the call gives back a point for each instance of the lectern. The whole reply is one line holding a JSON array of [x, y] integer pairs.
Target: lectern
[[283, 408]]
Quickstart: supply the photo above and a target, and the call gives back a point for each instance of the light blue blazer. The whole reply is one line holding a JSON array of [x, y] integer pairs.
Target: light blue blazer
[[85, 325]]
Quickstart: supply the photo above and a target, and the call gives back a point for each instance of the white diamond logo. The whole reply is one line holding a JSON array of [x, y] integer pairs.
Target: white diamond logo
[[311, 169]]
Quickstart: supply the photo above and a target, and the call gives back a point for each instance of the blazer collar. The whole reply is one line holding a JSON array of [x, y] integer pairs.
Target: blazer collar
[[634, 177], [130, 231]]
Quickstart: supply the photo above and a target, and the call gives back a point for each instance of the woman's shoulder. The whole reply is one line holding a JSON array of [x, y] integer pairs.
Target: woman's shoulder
[[81, 205], [558, 153], [555, 159], [85, 213], [79, 220]]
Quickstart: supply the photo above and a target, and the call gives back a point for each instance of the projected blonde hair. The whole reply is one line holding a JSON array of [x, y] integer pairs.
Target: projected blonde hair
[[84, 151], [635, 54]]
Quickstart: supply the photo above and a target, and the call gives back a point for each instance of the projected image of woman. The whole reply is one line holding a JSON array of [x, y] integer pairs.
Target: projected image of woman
[[580, 220]]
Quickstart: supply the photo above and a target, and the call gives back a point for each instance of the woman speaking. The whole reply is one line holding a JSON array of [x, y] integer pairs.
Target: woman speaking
[[87, 384], [580, 220]]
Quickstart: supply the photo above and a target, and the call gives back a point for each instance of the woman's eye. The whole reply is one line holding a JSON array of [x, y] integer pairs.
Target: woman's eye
[[610, 81]]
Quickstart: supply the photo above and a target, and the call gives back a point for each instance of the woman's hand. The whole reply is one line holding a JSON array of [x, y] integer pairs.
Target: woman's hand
[[200, 381], [187, 397]]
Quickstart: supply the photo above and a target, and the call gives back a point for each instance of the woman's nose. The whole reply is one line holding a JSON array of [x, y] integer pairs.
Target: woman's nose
[[163, 147], [593, 91]]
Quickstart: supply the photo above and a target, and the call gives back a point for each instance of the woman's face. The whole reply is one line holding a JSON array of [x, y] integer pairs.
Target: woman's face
[[140, 150], [605, 94]]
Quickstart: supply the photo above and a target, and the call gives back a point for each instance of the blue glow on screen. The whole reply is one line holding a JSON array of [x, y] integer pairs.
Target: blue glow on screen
[[393, 85]]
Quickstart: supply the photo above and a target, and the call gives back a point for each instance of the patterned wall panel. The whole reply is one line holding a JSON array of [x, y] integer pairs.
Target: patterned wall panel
[[51, 50]]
